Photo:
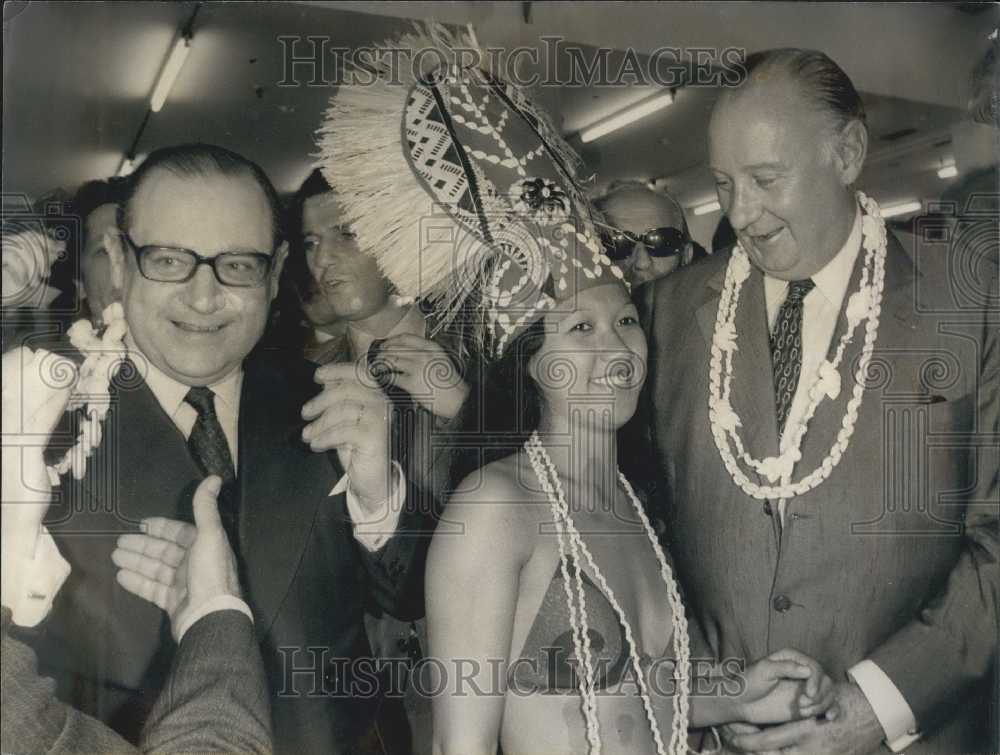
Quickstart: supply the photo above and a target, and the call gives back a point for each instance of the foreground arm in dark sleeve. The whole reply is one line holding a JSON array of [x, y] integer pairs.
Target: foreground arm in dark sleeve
[[214, 701], [216, 696]]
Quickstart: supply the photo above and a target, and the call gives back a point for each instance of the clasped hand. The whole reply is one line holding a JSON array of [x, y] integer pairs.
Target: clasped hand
[[785, 686]]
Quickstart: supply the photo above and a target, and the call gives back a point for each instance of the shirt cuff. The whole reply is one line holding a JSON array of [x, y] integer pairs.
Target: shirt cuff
[[218, 603], [30, 584], [374, 530], [891, 708]]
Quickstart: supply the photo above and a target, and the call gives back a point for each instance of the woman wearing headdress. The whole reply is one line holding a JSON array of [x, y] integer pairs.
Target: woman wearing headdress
[[555, 622]]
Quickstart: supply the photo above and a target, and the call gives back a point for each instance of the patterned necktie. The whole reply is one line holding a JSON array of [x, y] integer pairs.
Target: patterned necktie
[[786, 348], [210, 450]]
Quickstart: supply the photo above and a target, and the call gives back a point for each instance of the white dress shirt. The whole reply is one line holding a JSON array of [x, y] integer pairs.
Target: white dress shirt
[[820, 310]]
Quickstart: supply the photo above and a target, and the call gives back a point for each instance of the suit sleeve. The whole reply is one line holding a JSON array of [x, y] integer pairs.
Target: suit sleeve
[[952, 642], [395, 572], [34, 720], [216, 697]]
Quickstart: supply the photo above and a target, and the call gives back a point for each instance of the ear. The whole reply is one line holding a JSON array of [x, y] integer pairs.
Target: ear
[[115, 248], [851, 150], [279, 264]]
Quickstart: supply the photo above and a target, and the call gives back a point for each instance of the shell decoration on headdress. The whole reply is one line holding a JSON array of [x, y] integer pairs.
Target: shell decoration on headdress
[[459, 187]]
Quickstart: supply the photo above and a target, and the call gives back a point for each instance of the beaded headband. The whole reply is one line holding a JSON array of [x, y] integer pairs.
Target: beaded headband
[[461, 189]]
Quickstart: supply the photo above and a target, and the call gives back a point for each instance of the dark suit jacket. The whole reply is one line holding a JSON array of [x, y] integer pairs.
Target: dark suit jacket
[[305, 576], [892, 558], [215, 699]]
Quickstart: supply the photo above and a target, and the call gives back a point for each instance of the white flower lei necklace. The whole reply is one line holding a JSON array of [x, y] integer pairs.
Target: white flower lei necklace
[[566, 530], [864, 305], [102, 357]]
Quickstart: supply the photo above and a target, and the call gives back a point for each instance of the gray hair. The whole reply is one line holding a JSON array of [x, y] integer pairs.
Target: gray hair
[[824, 83]]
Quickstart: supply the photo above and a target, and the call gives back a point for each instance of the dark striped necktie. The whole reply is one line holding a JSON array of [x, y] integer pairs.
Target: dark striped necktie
[[786, 348], [210, 450]]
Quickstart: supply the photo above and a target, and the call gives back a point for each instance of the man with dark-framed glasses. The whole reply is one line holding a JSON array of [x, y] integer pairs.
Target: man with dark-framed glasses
[[644, 232], [198, 256]]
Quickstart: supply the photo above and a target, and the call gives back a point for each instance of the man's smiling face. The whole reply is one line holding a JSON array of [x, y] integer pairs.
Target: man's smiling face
[[778, 179], [199, 331]]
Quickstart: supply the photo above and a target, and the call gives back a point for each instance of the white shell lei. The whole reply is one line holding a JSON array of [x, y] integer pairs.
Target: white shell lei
[[865, 305], [569, 535], [102, 357]]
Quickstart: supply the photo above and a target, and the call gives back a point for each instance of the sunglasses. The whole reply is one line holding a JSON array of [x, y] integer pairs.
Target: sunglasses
[[659, 242]]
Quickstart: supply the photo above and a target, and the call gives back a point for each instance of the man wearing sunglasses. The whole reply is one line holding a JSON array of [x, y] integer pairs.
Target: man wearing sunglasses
[[644, 232]]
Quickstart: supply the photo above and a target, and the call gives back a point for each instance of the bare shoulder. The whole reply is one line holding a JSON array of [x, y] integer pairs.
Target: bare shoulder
[[498, 505]]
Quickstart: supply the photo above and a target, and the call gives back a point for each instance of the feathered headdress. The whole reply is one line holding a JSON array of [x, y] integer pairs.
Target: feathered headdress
[[460, 187]]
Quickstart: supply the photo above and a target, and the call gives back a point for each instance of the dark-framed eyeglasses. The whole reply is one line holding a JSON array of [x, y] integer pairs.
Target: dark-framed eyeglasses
[[659, 242], [168, 264]]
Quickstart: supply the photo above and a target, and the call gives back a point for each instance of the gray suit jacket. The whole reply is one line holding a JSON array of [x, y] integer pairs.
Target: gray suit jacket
[[894, 557], [215, 699]]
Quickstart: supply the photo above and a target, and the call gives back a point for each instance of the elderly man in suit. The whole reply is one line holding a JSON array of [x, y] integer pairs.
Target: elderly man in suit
[[317, 535], [646, 231], [216, 694], [825, 418]]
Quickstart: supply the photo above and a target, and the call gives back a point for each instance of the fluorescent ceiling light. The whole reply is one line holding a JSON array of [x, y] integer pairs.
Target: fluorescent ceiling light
[[948, 171], [626, 116], [171, 70], [904, 208], [704, 209]]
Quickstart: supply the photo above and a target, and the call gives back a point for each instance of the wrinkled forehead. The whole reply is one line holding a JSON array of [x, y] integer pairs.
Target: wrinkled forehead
[[639, 210], [766, 122], [771, 96], [205, 212]]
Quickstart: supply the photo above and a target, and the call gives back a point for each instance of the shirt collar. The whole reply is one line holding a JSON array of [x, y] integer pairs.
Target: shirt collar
[[170, 393], [833, 279], [322, 336]]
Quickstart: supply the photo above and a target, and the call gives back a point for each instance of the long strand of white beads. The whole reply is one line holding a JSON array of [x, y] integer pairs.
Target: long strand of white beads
[[864, 305], [581, 639], [549, 480], [680, 634]]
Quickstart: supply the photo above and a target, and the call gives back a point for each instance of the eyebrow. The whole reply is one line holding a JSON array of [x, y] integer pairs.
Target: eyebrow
[[755, 166], [232, 250]]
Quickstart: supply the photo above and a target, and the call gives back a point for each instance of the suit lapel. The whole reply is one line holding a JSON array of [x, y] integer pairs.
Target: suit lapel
[[897, 308], [282, 483], [752, 385], [143, 428]]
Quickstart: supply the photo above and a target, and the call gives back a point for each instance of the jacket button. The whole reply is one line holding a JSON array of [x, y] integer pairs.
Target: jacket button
[[767, 508], [781, 603]]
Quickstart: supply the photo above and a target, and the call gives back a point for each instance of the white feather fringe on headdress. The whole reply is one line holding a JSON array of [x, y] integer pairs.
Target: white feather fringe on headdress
[[375, 160]]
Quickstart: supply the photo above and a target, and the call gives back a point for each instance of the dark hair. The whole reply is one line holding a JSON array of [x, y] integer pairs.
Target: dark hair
[[94, 194], [823, 81], [198, 161], [289, 324], [296, 272], [504, 406]]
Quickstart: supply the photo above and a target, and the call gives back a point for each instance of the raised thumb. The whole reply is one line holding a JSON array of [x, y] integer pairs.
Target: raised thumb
[[206, 505]]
